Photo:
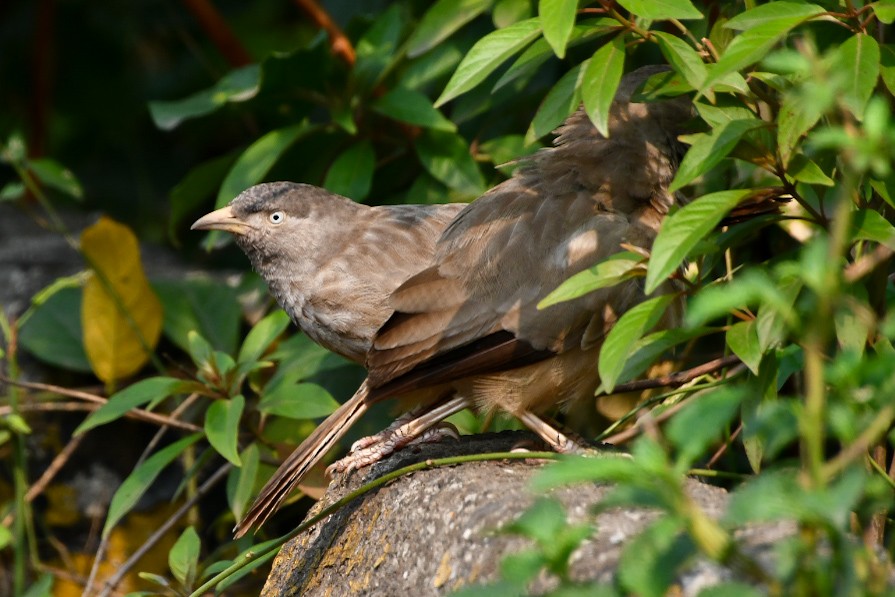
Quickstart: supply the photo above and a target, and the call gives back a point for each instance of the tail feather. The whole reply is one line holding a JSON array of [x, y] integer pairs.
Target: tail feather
[[308, 454]]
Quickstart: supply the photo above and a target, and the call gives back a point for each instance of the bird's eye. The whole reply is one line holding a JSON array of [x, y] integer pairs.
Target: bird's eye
[[277, 217]]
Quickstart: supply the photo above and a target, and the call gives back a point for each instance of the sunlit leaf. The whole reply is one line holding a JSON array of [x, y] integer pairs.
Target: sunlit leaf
[[707, 149], [662, 9], [262, 335], [560, 101], [858, 59], [487, 54], [53, 174], [608, 272], [683, 229], [629, 328], [742, 339], [557, 19], [601, 79], [120, 314], [441, 20]]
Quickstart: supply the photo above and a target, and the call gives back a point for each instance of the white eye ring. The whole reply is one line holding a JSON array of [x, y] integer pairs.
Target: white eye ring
[[276, 217]]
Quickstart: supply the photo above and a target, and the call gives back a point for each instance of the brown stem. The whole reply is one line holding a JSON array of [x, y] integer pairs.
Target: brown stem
[[676, 379], [340, 45], [219, 32], [135, 413]]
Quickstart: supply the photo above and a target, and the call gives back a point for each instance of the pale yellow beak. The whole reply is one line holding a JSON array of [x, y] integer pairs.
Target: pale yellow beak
[[221, 219]]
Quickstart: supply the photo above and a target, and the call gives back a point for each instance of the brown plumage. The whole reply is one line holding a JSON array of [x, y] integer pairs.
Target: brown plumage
[[465, 329]]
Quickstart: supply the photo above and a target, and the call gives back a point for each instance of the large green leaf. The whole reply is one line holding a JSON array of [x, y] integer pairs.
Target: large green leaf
[[202, 305], [629, 328], [662, 9], [299, 401], [446, 157], [707, 149], [560, 101], [136, 484], [762, 27], [376, 49], [441, 20], [412, 107], [262, 335], [351, 174], [608, 272], [601, 79], [683, 58], [858, 59], [702, 422], [557, 19], [487, 54], [683, 229], [53, 332]]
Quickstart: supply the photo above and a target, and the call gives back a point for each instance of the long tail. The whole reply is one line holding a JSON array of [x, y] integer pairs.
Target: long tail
[[309, 453]]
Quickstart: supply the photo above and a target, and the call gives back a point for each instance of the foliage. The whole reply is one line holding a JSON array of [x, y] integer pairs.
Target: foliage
[[792, 100]]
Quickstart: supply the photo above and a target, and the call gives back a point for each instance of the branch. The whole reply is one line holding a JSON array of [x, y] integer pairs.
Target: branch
[[219, 32], [675, 379], [340, 45]]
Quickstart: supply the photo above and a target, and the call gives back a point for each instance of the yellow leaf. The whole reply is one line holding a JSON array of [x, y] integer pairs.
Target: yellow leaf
[[120, 314]]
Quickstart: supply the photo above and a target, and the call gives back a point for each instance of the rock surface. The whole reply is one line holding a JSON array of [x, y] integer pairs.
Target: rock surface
[[434, 531]]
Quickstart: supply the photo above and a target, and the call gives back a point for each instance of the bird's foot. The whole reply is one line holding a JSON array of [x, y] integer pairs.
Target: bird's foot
[[388, 442]]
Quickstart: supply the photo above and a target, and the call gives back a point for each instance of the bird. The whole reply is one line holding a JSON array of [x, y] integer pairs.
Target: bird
[[330, 262], [464, 330]]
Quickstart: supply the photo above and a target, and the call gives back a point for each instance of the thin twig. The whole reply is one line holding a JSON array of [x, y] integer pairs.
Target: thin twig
[[134, 413], [219, 32], [675, 379], [339, 43]]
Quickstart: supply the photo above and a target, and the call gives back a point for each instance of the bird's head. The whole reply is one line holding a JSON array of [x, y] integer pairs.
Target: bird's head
[[275, 219]]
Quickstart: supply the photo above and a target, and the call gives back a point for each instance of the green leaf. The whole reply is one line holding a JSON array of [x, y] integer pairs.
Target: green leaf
[[256, 161], [707, 149], [796, 118], [200, 305], [42, 587], [601, 79], [683, 58], [262, 335], [762, 27], [136, 484], [12, 191], [730, 589], [571, 469], [683, 229], [887, 66], [412, 107], [487, 54], [542, 521], [440, 21], [193, 191], [629, 328], [134, 395], [658, 10], [751, 287], [885, 11], [557, 19], [858, 59], [53, 332], [237, 86], [608, 272], [241, 481], [299, 401], [703, 421], [183, 559], [376, 50], [446, 157], [222, 427], [351, 174], [802, 169], [742, 339], [53, 174], [869, 224], [650, 561], [560, 101]]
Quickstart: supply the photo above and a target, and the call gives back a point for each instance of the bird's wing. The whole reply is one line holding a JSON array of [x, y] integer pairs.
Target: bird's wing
[[475, 310]]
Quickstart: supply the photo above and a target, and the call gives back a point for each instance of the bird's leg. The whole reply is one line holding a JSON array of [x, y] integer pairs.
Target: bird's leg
[[370, 440], [418, 428], [563, 443]]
